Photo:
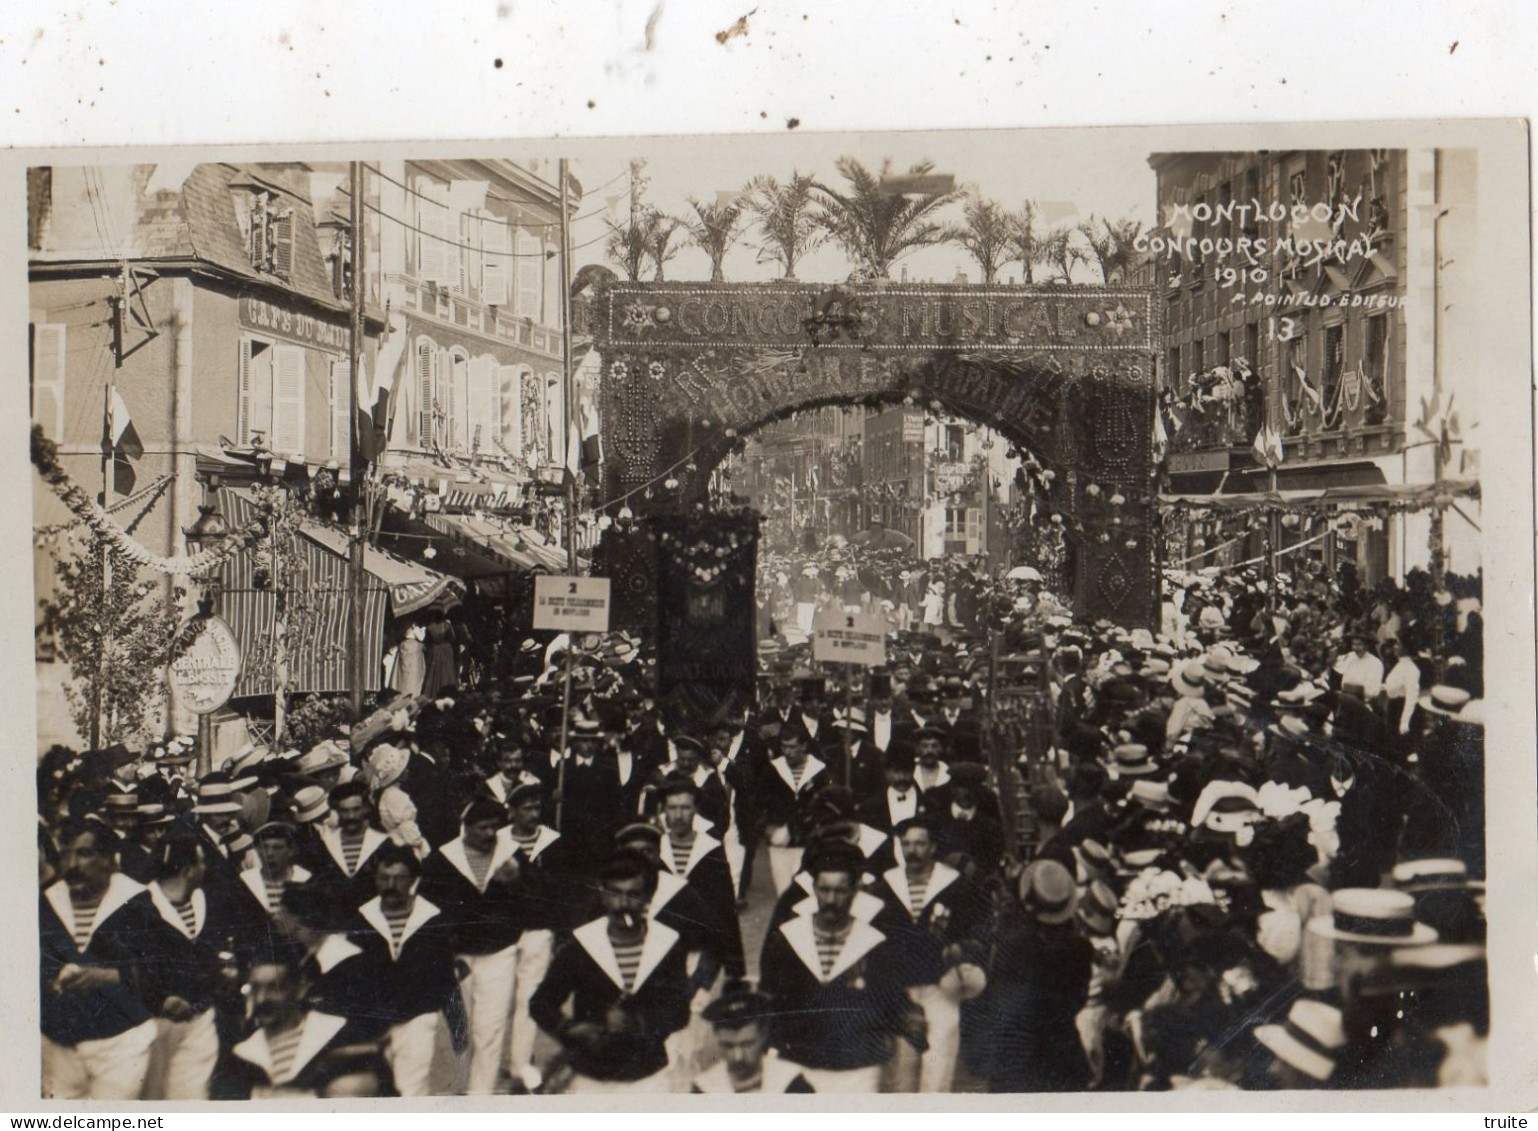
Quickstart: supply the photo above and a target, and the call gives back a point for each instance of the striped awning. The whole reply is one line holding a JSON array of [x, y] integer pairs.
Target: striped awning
[[317, 636]]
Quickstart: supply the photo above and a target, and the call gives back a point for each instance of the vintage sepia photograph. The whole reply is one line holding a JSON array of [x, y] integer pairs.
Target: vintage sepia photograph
[[953, 613]]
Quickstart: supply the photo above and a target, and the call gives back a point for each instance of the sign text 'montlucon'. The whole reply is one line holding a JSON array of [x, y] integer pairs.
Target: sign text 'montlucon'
[[889, 319]]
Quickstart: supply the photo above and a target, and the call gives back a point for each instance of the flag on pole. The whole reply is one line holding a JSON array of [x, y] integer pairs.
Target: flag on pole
[[122, 436]]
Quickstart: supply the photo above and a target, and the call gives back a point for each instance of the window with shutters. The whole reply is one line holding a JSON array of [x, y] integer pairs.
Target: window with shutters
[[459, 406], [496, 244], [465, 258], [427, 393], [47, 357], [531, 271], [280, 244], [432, 244], [271, 397], [288, 400], [340, 396]]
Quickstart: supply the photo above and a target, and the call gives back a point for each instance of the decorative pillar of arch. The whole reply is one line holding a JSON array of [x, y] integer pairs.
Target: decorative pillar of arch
[[1066, 372]]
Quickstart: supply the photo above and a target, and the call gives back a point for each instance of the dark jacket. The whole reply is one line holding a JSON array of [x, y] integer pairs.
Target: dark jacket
[[480, 919], [229, 928], [708, 873], [585, 973], [245, 1072], [849, 1018], [779, 803], [417, 977], [955, 912], [121, 923], [328, 863], [1038, 982]]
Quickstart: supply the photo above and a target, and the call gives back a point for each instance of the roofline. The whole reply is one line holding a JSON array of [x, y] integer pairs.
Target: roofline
[[64, 268]]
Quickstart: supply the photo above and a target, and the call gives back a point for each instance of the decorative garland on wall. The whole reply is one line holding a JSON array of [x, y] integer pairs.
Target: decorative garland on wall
[[86, 509]]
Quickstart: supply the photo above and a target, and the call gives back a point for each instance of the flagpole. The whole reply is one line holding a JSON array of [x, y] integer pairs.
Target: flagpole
[[569, 396], [355, 556]]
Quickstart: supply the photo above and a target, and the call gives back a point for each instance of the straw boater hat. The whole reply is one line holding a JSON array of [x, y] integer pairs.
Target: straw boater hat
[[1303, 693], [1131, 759], [1309, 1040], [217, 795], [1226, 807], [1373, 917], [1446, 700], [1441, 874], [324, 756], [310, 804], [1048, 892], [1098, 907], [1188, 678]]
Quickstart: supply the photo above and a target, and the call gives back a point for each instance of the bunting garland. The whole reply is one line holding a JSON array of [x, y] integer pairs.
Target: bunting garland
[[102, 524]]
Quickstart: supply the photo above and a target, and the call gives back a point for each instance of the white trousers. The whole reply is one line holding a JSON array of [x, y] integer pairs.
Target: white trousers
[[942, 1021], [848, 1082], [784, 863], [658, 1082], [532, 961], [736, 855], [408, 1049], [488, 993], [182, 1059], [112, 1068]]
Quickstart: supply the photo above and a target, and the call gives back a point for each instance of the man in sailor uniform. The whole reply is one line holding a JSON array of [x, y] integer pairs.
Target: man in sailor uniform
[[784, 801], [740, 1020], [96, 1031], [474, 877], [275, 848], [840, 1010], [293, 1050], [407, 955], [936, 917], [699, 858], [798, 899], [512, 770], [544, 907], [347, 851], [190, 965], [931, 771], [625, 977]]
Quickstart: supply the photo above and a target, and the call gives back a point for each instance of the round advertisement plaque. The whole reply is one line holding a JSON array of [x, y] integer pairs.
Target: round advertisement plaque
[[203, 675]]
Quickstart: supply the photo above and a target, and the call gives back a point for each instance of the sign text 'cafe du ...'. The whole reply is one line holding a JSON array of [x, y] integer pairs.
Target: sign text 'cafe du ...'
[[306, 329]]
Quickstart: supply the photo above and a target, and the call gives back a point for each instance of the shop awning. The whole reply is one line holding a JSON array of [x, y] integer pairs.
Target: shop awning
[[1402, 493], [412, 587], [317, 630]]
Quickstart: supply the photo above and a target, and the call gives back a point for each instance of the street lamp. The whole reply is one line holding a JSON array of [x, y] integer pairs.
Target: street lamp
[[207, 533]]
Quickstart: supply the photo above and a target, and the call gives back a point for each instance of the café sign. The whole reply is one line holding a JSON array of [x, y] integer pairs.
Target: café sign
[[284, 322], [204, 673]]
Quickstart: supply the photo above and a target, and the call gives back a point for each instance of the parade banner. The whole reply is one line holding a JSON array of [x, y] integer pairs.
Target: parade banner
[[571, 604], [849, 638]]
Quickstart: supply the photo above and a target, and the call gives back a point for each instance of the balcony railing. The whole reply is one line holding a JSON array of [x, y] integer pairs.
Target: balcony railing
[[446, 306]]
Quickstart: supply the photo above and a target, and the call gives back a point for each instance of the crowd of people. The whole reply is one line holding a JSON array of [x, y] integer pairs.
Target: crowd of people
[[1244, 851]]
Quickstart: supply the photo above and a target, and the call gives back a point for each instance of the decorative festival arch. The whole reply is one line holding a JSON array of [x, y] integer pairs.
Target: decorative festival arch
[[1065, 372]]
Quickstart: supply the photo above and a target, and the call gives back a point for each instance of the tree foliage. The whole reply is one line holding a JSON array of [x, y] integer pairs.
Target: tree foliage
[[714, 229], [1110, 243], [660, 246], [785, 219], [876, 227], [1027, 245], [986, 234], [115, 633]]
